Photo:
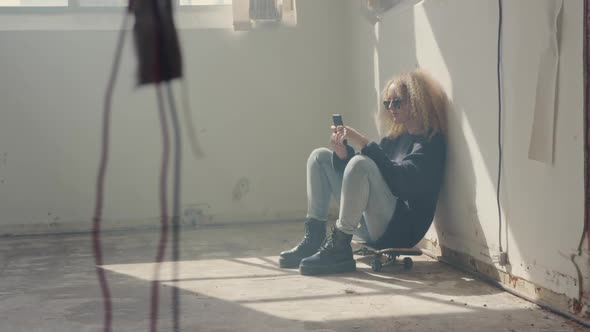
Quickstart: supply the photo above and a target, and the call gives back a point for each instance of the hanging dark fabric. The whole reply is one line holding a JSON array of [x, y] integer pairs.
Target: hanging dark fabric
[[154, 29]]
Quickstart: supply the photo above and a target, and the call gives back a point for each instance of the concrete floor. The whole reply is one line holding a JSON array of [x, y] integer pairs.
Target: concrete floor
[[230, 281]]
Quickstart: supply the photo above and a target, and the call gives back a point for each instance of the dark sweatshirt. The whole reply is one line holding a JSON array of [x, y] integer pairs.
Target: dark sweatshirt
[[413, 168]]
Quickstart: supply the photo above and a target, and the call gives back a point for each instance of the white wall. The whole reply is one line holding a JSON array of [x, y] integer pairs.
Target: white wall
[[262, 101], [543, 204]]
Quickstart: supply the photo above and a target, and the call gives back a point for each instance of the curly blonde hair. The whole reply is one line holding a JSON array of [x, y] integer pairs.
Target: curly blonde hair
[[428, 103]]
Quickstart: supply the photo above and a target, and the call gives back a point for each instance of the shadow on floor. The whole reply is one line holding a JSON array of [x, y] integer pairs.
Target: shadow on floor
[[229, 281]]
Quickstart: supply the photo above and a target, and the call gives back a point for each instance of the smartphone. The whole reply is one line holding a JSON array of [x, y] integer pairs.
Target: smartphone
[[337, 118]]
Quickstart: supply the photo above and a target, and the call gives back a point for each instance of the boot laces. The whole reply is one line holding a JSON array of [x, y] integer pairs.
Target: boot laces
[[329, 242], [306, 236]]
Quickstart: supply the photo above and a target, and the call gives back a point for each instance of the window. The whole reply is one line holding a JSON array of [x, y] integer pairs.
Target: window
[[97, 3], [27, 15], [24, 15], [205, 2], [34, 3]]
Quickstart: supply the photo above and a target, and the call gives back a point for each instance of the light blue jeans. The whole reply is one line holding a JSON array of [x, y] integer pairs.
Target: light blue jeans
[[364, 197]]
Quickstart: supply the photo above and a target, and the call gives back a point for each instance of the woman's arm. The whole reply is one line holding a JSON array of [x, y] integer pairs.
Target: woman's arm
[[416, 173]]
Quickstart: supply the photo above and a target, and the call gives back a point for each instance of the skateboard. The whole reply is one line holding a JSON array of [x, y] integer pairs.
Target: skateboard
[[390, 253]]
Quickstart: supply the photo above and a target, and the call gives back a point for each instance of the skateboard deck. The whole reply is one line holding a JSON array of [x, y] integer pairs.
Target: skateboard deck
[[391, 254]]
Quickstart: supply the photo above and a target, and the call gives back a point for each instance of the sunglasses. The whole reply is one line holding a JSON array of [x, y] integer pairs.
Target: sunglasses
[[396, 102]]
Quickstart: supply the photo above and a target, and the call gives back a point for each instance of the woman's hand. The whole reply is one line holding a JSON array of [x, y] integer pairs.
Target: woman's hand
[[355, 138], [337, 146]]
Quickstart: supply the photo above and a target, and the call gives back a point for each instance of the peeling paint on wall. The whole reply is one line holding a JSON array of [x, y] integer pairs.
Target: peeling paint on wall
[[197, 215], [3, 163], [241, 188], [520, 285], [52, 219]]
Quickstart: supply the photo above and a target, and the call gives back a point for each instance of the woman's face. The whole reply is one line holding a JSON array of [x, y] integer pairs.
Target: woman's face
[[397, 104]]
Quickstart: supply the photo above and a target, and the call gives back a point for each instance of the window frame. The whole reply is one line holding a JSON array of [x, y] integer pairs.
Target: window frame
[[74, 7]]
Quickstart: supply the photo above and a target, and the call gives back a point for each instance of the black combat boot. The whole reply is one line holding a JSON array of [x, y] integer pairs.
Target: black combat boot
[[315, 233], [334, 256]]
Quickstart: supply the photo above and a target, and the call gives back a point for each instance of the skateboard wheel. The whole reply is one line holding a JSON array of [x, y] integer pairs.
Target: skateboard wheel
[[376, 265], [408, 263]]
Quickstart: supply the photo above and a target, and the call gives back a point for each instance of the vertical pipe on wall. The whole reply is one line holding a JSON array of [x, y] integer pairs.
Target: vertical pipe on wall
[[587, 118]]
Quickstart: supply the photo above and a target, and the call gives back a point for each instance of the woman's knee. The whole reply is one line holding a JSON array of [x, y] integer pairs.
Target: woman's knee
[[320, 155], [360, 162]]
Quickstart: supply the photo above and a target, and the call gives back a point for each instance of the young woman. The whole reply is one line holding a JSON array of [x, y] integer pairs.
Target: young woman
[[388, 190]]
